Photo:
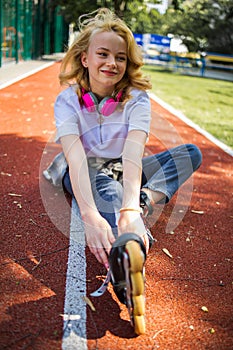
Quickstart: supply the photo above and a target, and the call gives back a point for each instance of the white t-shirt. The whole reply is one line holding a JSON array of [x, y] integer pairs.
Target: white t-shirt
[[106, 138]]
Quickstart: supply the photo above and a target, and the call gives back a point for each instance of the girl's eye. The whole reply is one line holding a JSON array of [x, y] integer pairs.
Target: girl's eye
[[102, 54], [121, 58]]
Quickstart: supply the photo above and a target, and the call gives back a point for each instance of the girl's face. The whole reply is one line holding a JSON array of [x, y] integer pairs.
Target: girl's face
[[106, 60]]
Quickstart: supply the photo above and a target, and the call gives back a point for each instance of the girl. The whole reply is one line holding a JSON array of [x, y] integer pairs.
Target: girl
[[103, 121]]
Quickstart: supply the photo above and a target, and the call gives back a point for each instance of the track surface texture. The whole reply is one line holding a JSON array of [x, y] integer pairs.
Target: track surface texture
[[188, 292]]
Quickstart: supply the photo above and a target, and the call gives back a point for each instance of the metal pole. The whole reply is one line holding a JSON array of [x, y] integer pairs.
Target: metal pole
[[27, 30], [46, 28], [16, 30], [1, 30], [58, 31], [38, 30]]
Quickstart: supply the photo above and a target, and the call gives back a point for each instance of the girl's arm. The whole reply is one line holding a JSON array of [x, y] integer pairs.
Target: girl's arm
[[98, 232], [131, 221]]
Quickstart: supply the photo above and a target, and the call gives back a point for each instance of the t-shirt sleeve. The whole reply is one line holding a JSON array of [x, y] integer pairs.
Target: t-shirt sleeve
[[139, 113], [66, 110]]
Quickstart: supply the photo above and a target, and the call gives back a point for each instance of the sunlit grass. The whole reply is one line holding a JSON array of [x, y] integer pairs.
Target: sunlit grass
[[207, 102]]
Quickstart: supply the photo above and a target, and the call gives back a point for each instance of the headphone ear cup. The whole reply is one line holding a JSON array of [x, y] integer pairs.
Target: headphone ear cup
[[90, 101], [107, 106]]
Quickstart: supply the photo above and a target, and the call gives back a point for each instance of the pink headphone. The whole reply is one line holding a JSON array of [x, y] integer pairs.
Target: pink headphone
[[106, 106]]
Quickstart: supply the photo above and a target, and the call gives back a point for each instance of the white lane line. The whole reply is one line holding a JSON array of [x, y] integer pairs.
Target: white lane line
[[196, 127], [74, 326], [26, 74]]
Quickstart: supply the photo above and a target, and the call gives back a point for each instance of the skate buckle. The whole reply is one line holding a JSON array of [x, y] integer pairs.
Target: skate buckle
[[102, 289]]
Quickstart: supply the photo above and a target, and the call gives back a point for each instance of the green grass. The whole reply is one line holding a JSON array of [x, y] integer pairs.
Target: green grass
[[207, 102]]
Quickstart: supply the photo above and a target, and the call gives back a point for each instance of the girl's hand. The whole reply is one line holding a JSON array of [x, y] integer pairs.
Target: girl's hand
[[99, 236], [131, 222]]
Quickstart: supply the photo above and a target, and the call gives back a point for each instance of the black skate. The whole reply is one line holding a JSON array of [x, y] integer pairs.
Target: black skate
[[145, 204], [126, 260]]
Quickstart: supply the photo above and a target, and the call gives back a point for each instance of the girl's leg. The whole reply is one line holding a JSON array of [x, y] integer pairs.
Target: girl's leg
[[165, 172], [107, 194]]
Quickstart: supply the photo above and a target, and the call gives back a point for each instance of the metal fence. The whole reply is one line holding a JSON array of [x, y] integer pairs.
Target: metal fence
[[30, 29]]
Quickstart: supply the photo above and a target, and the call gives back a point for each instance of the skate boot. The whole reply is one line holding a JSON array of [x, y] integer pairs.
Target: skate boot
[[56, 170], [126, 260]]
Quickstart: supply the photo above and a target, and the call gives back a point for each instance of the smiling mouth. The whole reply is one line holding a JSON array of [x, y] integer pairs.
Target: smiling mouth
[[109, 73]]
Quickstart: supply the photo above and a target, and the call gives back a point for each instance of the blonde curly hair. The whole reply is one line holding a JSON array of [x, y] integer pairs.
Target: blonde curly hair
[[104, 20]]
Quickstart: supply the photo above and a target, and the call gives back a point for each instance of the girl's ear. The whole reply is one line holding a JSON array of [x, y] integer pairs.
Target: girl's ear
[[84, 59]]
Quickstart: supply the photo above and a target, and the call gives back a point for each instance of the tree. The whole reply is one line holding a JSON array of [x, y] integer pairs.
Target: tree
[[177, 4], [73, 9], [134, 13], [204, 25]]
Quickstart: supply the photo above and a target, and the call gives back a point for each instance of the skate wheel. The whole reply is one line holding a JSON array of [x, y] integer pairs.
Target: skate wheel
[[139, 325], [136, 276], [138, 305], [137, 283], [135, 256]]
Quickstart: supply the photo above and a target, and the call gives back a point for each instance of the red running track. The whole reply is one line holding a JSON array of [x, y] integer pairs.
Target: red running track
[[195, 227]]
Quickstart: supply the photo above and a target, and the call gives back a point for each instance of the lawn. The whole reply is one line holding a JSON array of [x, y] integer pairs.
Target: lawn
[[207, 102]]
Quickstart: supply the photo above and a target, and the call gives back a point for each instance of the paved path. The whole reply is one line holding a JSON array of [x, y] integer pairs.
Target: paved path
[[12, 72]]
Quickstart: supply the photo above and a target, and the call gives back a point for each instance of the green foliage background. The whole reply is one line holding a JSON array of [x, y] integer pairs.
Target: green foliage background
[[204, 25]]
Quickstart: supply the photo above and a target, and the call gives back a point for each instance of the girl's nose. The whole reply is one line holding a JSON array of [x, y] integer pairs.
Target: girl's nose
[[112, 61]]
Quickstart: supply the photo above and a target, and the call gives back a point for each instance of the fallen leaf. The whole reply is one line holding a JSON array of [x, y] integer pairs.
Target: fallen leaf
[[212, 331], [204, 308], [157, 333], [172, 232], [166, 251], [197, 212], [19, 205], [14, 195], [5, 174], [89, 303], [31, 220]]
